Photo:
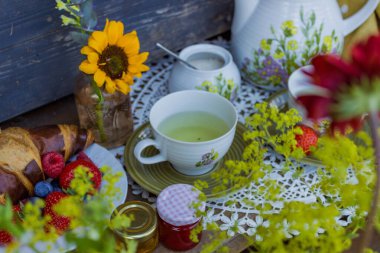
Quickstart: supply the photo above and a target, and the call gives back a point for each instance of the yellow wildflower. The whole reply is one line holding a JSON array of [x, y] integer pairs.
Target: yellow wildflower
[[327, 42], [213, 89], [67, 20], [289, 28], [230, 84], [292, 45], [206, 84], [265, 45], [278, 54], [276, 80]]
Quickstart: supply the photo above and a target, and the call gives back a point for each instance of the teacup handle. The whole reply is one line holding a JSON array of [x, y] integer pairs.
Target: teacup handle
[[148, 160]]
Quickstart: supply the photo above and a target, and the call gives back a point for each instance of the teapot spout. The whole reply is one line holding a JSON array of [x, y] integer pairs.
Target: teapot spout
[[243, 11]]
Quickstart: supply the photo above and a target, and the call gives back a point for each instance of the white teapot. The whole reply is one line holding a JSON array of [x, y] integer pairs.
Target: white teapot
[[272, 38]]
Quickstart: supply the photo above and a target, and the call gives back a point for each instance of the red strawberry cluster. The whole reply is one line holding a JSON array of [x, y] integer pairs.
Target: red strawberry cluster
[[67, 174], [55, 169], [5, 238], [307, 139], [59, 222]]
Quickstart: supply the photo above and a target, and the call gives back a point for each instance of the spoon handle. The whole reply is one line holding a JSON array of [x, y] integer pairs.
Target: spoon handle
[[175, 55]]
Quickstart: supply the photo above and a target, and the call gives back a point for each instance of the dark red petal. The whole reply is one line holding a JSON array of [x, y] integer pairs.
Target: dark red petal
[[330, 72], [366, 56], [343, 125], [317, 107]]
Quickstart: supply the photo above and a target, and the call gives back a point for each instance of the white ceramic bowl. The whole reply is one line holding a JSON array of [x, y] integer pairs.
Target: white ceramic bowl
[[214, 64]]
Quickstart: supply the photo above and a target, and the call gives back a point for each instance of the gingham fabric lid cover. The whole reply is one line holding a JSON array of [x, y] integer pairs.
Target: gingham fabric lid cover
[[174, 204]]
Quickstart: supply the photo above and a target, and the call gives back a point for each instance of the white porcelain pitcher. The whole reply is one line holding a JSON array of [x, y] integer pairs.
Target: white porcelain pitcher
[[272, 38]]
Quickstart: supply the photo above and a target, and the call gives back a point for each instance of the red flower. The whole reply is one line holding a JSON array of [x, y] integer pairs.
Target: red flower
[[366, 57], [339, 79]]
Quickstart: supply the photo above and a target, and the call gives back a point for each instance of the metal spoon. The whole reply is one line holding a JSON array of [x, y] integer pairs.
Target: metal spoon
[[175, 55]]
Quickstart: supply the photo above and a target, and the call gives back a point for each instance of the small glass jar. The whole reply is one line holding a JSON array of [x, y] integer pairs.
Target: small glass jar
[[110, 121], [143, 228], [177, 217]]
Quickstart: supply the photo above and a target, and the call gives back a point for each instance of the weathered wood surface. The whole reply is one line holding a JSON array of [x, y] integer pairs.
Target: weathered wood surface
[[38, 61]]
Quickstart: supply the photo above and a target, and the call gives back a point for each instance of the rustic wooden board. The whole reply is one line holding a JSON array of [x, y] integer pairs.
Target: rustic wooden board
[[38, 61]]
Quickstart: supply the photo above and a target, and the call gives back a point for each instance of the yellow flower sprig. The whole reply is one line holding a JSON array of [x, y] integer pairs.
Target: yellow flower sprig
[[113, 58], [297, 226]]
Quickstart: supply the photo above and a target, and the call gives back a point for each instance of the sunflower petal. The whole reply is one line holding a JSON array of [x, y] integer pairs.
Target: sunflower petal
[[87, 50], [93, 58], [122, 86], [138, 59], [133, 69], [100, 77], [127, 78], [98, 41], [115, 32], [143, 67], [95, 45], [110, 85], [87, 67], [106, 26], [130, 43]]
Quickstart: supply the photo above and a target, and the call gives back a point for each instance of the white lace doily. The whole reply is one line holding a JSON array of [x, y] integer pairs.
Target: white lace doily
[[153, 85]]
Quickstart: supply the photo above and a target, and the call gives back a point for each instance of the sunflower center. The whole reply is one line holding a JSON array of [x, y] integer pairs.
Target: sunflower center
[[113, 61]]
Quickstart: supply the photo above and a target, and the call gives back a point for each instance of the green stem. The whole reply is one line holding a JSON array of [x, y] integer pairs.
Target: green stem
[[367, 235], [99, 111]]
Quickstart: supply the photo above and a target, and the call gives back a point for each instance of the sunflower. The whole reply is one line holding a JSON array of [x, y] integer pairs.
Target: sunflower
[[113, 57]]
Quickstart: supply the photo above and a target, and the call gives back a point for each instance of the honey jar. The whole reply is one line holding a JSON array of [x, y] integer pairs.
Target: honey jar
[[143, 227], [176, 216]]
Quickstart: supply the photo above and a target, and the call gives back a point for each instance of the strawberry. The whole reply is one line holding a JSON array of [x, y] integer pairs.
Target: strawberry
[[68, 174], [61, 223], [5, 238], [307, 139], [53, 164]]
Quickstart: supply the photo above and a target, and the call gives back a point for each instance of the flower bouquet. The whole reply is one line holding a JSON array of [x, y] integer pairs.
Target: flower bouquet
[[112, 62], [103, 100]]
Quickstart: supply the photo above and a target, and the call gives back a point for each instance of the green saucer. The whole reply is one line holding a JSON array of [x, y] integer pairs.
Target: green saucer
[[156, 177]]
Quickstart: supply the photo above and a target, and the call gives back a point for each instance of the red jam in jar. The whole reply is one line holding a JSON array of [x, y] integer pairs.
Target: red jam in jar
[[176, 217]]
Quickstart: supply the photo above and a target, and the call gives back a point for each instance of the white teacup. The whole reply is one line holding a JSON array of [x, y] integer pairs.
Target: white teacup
[[190, 157]]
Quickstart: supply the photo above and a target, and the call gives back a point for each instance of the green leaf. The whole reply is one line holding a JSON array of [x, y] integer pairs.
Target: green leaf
[[78, 37], [312, 18], [89, 22]]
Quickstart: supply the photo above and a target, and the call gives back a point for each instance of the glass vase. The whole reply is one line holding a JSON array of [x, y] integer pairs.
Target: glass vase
[[109, 116]]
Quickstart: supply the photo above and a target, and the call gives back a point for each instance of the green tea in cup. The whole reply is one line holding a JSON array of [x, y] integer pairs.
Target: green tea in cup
[[192, 130], [193, 126]]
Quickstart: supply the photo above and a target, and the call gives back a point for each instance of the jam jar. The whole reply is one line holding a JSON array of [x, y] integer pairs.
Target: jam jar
[[143, 228], [176, 217]]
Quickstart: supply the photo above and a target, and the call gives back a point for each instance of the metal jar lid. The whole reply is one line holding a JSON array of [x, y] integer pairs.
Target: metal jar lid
[[144, 224]]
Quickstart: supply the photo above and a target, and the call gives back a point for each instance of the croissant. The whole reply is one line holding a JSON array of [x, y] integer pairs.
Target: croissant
[[21, 150]]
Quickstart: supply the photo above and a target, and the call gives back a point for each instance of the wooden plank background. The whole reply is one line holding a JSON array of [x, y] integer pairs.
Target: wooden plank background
[[38, 61]]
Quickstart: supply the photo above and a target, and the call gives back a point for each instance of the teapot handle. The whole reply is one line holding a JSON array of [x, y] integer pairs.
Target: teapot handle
[[353, 22]]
